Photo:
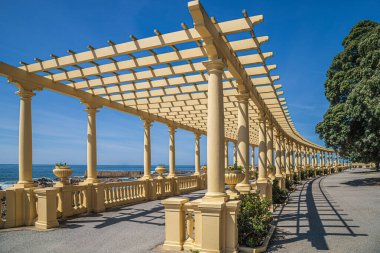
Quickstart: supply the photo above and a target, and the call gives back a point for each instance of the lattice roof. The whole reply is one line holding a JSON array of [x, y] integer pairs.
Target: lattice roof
[[162, 77]]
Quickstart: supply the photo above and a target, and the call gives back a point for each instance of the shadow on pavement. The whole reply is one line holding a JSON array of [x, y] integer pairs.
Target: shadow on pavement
[[150, 215], [364, 182], [310, 216]]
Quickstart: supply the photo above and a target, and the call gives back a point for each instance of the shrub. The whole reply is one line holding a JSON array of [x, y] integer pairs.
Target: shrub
[[296, 179], [253, 220], [289, 185], [310, 172], [278, 196], [303, 175]]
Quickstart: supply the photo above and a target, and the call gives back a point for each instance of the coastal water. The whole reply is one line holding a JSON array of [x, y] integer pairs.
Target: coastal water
[[9, 172]]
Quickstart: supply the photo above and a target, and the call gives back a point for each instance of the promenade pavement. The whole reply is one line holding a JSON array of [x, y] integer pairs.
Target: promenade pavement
[[135, 229], [337, 213]]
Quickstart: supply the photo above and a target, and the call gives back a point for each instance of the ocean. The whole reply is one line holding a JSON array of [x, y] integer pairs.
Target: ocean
[[9, 172]]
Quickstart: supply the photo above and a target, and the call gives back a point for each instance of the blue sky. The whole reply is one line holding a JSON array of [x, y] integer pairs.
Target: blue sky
[[304, 36]]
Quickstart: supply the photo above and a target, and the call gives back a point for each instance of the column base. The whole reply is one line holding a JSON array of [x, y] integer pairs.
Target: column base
[[243, 188], [264, 186], [48, 225], [146, 177], [90, 181], [171, 176], [24, 184]]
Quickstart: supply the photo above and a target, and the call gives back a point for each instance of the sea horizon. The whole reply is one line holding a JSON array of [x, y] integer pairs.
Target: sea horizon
[[9, 171]]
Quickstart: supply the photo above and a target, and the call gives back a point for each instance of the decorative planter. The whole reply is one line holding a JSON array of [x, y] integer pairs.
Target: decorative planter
[[232, 178], [62, 172], [204, 169], [160, 169]]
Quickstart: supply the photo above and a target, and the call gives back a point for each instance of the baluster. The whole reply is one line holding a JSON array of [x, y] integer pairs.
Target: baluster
[[76, 200], [81, 200]]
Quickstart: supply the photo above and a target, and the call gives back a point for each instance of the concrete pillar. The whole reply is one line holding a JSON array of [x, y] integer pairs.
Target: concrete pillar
[[25, 139], [288, 172], [283, 154], [197, 155], [278, 174], [225, 153], [262, 149], [147, 151], [292, 160], [264, 186], [270, 163], [243, 141], [91, 146], [171, 152], [215, 130]]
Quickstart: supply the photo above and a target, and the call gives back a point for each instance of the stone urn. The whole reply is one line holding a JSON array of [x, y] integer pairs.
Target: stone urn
[[62, 171], [204, 169], [232, 178], [160, 169]]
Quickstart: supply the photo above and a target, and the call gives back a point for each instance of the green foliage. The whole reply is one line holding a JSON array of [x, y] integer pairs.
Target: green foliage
[[278, 196], [351, 124], [289, 185], [253, 220], [234, 167], [310, 172], [60, 164], [296, 179], [303, 174], [319, 172]]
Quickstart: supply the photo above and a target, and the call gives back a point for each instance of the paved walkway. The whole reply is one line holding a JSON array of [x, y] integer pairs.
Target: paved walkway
[[137, 228], [337, 213]]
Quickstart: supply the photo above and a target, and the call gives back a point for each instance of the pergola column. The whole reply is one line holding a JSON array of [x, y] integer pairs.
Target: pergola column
[[288, 173], [215, 130], [292, 159], [243, 141], [171, 151], [297, 159], [91, 145], [226, 153], [197, 155], [283, 155], [270, 151], [278, 161], [263, 184], [25, 139], [147, 151]]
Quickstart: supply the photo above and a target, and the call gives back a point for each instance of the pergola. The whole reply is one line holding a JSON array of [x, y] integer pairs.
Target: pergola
[[199, 79], [169, 82]]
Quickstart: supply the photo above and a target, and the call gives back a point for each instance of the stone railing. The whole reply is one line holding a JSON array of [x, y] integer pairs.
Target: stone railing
[[124, 193], [187, 221], [43, 207]]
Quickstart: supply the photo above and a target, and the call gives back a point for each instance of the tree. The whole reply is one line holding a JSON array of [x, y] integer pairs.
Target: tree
[[351, 124]]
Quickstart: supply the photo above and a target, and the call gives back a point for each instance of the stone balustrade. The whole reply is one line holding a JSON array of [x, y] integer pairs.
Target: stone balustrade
[[44, 206]]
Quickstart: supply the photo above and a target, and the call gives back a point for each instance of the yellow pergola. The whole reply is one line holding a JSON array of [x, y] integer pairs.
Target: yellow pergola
[[168, 83], [196, 79]]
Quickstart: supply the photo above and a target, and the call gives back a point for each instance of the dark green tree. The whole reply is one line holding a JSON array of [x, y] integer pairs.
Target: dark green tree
[[351, 124]]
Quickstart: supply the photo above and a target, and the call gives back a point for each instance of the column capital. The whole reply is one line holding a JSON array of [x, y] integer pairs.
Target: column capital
[[243, 97], [91, 104], [214, 65], [25, 94], [262, 117], [91, 111], [172, 128]]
